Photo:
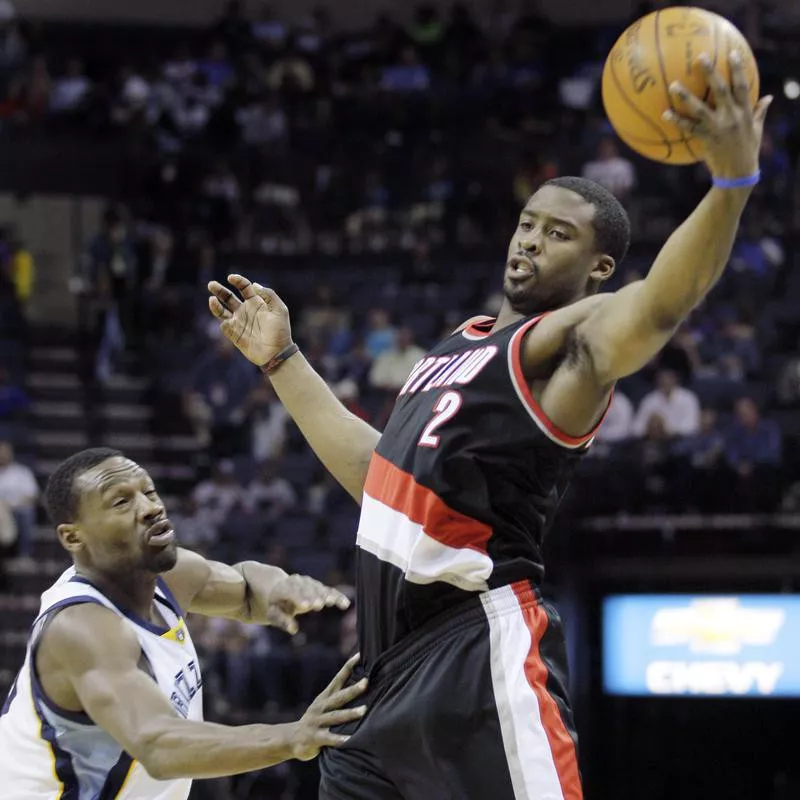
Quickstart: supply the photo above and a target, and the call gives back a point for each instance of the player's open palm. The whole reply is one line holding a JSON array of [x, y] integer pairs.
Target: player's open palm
[[729, 128], [257, 322], [312, 732]]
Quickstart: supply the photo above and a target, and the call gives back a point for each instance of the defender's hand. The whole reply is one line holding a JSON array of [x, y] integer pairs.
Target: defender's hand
[[293, 595], [259, 326], [308, 736], [730, 130]]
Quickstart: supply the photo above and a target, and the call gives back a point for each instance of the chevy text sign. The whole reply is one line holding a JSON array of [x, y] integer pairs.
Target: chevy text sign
[[713, 646]]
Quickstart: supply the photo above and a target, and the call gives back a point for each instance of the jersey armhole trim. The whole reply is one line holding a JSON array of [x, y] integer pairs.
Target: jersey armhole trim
[[169, 597], [523, 390], [37, 690], [159, 630], [473, 329]]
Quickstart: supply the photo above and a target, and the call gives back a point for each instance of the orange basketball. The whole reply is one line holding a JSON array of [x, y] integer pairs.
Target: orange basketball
[[656, 50]]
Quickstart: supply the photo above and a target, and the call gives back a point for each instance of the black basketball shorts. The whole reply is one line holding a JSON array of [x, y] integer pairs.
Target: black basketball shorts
[[473, 706]]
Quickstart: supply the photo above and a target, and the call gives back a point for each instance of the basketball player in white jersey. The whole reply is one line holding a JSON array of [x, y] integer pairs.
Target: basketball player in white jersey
[[108, 703]]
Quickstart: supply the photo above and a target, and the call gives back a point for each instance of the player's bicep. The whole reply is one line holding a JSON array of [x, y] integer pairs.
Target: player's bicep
[[96, 652], [189, 578], [623, 334]]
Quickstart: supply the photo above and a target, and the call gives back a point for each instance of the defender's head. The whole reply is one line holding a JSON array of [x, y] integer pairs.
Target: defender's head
[[571, 235], [108, 514]]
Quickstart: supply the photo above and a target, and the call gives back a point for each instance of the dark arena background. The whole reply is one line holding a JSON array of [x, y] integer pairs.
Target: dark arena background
[[368, 160]]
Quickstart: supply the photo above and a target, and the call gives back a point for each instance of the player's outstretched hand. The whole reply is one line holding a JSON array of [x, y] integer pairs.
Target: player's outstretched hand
[[311, 733], [290, 596], [257, 322], [730, 128]]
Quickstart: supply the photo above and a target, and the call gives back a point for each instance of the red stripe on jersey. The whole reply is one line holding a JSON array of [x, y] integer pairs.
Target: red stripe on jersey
[[530, 401], [397, 489], [562, 747]]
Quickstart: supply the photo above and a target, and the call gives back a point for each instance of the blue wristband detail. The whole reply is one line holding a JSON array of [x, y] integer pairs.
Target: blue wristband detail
[[737, 183]]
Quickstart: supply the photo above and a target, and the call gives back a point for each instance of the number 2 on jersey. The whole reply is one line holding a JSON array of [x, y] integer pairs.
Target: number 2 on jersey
[[445, 409]]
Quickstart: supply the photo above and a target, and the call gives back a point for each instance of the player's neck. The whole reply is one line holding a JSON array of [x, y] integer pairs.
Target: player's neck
[[133, 590], [506, 316]]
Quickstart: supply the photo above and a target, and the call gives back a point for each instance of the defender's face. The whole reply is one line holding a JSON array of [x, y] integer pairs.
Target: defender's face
[[552, 252], [121, 523]]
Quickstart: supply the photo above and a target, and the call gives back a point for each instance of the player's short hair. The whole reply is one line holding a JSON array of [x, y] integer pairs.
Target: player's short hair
[[612, 227], [59, 496]]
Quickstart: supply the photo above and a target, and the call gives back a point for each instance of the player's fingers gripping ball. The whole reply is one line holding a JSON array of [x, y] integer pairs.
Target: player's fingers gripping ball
[[655, 51]]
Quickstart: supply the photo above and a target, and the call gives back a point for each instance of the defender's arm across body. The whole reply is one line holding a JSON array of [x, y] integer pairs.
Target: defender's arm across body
[[80, 672], [248, 591], [621, 332], [260, 328]]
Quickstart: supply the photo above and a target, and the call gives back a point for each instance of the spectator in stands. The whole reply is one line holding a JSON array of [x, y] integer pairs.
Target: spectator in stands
[[263, 124], [324, 317], [233, 27], [29, 93], [19, 491], [111, 271], [291, 76], [269, 493], [216, 399], [704, 452], [393, 366], [180, 69], [755, 259], [380, 333], [356, 364], [611, 170], [267, 28], [408, 74], [216, 67], [618, 424], [195, 526], [347, 392], [651, 467], [267, 419], [13, 48], [753, 452], [221, 494], [221, 195], [133, 97], [677, 406], [111, 258], [71, 91], [158, 264]]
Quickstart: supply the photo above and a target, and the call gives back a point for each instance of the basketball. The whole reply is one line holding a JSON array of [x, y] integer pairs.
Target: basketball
[[654, 51]]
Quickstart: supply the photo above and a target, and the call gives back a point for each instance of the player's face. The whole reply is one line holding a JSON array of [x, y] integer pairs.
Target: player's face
[[121, 525], [552, 256]]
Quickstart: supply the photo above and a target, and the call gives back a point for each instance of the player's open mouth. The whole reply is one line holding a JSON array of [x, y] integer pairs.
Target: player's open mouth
[[521, 266], [160, 534]]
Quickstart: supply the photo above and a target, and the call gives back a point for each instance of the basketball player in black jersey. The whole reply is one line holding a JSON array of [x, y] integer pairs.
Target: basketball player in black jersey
[[467, 667]]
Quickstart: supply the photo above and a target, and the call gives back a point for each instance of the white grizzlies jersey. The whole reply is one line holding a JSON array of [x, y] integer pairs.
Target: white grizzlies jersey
[[48, 753]]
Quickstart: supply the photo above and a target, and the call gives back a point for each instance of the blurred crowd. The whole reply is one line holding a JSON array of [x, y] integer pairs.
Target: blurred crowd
[[373, 179]]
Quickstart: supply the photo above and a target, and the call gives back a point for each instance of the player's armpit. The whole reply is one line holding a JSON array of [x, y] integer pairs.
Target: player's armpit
[[624, 333]]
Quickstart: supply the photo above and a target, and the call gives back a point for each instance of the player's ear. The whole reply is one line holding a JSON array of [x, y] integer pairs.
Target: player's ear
[[70, 537], [603, 269]]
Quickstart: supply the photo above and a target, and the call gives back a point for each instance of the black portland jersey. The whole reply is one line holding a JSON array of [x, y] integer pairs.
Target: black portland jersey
[[462, 487]]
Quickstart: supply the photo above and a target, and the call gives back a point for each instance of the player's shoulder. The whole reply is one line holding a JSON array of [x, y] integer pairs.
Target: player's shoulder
[[87, 634]]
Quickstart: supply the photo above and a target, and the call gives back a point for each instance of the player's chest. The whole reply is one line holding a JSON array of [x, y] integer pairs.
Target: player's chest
[[450, 391]]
